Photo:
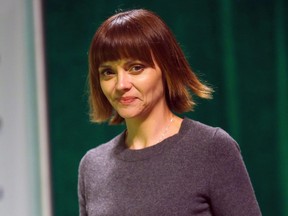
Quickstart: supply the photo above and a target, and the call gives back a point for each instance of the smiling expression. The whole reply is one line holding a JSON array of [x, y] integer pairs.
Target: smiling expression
[[132, 87]]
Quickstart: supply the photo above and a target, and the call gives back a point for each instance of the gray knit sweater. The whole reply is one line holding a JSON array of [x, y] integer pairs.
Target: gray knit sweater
[[198, 171]]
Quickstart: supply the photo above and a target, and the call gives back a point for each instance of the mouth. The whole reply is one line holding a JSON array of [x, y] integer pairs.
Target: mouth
[[126, 100]]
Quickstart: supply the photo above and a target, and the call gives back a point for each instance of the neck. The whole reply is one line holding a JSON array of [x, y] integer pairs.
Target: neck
[[145, 132]]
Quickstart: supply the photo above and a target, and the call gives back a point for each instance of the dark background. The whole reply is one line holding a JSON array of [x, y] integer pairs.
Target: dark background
[[238, 46]]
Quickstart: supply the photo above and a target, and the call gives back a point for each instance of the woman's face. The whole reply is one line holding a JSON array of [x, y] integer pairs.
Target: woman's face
[[132, 87]]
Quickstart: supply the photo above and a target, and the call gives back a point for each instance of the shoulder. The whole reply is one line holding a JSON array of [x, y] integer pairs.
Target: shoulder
[[213, 139], [99, 154], [215, 148]]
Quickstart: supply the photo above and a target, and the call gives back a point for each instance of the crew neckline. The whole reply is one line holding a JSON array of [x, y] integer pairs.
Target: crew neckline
[[126, 154]]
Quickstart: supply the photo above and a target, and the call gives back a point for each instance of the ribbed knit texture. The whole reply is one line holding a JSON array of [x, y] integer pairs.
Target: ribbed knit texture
[[198, 171]]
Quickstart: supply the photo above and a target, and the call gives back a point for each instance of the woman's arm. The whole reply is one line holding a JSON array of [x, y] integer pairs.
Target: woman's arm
[[231, 191], [81, 190]]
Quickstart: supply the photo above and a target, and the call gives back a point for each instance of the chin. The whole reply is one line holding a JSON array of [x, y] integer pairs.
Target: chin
[[129, 114]]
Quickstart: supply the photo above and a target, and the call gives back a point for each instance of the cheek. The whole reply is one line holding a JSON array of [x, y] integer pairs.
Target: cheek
[[105, 89], [154, 91], [157, 85]]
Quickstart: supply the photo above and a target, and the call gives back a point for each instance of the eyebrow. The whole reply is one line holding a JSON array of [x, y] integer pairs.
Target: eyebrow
[[127, 62], [104, 66]]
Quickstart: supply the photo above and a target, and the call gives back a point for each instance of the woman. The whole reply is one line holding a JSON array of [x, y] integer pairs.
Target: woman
[[162, 164]]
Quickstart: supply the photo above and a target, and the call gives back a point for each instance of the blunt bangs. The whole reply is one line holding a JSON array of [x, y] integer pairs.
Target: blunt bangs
[[121, 39]]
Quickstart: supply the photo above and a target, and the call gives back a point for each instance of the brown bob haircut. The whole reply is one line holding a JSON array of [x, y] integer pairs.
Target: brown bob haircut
[[141, 35]]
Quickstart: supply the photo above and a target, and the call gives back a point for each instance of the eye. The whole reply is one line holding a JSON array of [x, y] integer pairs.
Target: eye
[[106, 72], [137, 68]]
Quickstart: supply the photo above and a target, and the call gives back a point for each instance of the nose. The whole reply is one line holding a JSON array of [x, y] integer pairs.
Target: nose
[[123, 81]]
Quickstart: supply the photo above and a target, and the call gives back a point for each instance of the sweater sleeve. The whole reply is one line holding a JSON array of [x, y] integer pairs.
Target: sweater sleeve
[[81, 190], [230, 188]]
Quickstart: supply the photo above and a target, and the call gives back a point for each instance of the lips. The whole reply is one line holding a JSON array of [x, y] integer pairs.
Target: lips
[[126, 100]]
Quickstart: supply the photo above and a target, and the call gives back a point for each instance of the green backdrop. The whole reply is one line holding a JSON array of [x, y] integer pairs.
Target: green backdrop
[[238, 46]]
